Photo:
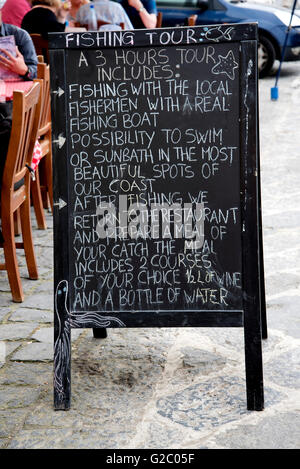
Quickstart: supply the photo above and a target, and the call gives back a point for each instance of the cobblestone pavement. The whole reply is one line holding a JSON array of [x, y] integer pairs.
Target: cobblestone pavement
[[168, 388]]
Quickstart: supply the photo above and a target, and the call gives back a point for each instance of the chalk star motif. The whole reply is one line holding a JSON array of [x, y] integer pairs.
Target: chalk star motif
[[226, 65]]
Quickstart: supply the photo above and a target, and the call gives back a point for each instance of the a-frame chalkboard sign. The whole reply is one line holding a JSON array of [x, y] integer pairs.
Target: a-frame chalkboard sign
[[156, 186]]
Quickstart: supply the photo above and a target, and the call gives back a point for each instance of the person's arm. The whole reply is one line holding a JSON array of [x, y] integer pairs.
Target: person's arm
[[62, 12], [149, 19], [25, 62], [27, 49]]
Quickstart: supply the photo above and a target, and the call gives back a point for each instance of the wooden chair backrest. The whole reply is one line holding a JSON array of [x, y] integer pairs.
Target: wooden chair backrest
[[41, 46], [192, 20], [25, 124], [159, 19], [99, 24], [43, 73]]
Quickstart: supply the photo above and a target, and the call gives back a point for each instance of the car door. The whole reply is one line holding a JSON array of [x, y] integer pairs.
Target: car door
[[176, 12]]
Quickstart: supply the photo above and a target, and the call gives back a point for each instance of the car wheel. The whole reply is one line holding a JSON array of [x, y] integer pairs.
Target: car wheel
[[266, 56]]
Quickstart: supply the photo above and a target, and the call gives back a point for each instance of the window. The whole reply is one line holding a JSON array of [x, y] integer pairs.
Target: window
[[178, 3]]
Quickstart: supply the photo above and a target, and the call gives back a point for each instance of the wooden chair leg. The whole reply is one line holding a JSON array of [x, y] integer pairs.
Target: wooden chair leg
[[45, 173], [37, 202], [49, 183], [17, 223], [27, 240], [11, 263], [43, 183]]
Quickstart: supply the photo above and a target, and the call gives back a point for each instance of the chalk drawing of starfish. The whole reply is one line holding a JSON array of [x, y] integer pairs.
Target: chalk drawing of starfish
[[226, 65]]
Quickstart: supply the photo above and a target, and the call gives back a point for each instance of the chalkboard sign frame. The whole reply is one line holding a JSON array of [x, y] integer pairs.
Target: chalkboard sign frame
[[253, 315]]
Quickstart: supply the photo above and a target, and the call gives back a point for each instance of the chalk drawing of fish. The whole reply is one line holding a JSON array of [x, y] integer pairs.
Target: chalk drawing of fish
[[216, 33]]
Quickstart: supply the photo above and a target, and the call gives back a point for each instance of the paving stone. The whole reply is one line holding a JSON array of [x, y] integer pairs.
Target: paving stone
[[4, 288], [17, 397], [281, 281], [284, 370], [3, 353], [278, 319], [34, 352], [39, 439], [278, 432], [231, 339], [197, 361], [5, 298], [42, 416], [4, 312], [46, 335], [10, 420], [15, 332], [27, 374], [46, 286], [28, 315], [6, 348], [4, 443], [66, 439], [159, 435], [210, 403], [91, 438], [45, 241], [39, 301]]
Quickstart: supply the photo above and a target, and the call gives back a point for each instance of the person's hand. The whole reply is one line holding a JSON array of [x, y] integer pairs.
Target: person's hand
[[14, 64], [63, 11]]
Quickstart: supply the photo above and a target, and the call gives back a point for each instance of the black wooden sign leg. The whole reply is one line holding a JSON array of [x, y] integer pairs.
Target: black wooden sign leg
[[100, 333], [62, 349], [252, 238], [263, 307], [253, 359]]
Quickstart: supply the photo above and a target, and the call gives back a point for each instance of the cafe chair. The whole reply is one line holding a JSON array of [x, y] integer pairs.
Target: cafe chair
[[192, 20], [41, 186], [15, 191], [41, 46]]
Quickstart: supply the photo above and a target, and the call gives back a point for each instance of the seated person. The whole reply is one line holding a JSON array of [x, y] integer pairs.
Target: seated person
[[45, 16], [142, 13], [14, 11], [75, 5], [106, 11], [25, 62], [25, 65]]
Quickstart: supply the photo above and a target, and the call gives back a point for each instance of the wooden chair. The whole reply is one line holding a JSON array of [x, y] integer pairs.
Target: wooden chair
[[42, 187], [192, 20], [17, 215], [41, 46], [15, 191], [159, 19], [99, 24]]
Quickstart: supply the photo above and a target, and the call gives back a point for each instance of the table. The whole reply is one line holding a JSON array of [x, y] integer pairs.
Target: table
[[7, 88]]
